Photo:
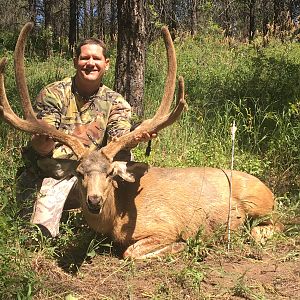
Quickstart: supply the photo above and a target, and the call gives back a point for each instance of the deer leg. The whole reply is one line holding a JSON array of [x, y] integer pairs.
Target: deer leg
[[262, 233], [152, 247]]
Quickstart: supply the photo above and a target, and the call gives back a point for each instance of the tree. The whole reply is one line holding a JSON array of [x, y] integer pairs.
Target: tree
[[194, 5], [113, 18], [101, 19], [130, 65], [92, 17], [278, 14], [32, 10], [48, 27], [73, 23], [172, 19], [252, 26]]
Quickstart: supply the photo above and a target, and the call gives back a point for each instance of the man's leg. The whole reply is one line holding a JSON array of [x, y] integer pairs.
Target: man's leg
[[28, 183], [49, 204]]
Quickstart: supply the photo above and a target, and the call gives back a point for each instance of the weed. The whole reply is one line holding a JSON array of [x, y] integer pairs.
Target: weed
[[191, 276], [197, 247], [255, 88], [245, 291]]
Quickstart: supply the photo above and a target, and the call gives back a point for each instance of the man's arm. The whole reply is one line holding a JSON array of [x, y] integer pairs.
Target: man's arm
[[119, 118], [119, 124], [47, 110]]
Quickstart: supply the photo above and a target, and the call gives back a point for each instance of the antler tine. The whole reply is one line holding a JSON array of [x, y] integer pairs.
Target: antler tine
[[6, 111], [176, 112], [150, 126], [171, 75], [30, 124], [20, 71]]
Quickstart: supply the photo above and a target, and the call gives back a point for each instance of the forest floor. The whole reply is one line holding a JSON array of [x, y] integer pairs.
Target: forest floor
[[245, 272]]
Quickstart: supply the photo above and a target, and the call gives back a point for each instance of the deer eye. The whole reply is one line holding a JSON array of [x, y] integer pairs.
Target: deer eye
[[79, 174], [110, 173]]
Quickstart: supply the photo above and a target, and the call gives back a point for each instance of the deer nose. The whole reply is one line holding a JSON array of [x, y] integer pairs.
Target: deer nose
[[94, 203]]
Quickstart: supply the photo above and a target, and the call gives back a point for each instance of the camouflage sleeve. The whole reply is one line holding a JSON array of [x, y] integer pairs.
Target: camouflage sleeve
[[119, 118], [119, 124], [48, 106]]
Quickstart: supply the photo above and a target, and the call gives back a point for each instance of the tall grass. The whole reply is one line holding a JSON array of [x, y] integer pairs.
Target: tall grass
[[257, 87]]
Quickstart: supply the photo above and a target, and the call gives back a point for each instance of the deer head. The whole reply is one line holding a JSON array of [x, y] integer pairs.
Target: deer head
[[95, 165]]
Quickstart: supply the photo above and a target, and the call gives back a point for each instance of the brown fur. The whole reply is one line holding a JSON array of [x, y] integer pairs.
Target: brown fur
[[169, 205]]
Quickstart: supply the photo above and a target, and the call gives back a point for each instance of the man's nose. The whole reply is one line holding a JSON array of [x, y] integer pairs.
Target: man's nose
[[91, 61]]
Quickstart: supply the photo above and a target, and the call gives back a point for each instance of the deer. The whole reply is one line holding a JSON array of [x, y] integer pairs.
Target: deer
[[149, 211]]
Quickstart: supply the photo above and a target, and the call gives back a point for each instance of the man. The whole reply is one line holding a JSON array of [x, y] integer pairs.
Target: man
[[81, 106]]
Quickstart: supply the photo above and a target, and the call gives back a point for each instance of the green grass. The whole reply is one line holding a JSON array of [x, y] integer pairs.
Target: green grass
[[257, 87]]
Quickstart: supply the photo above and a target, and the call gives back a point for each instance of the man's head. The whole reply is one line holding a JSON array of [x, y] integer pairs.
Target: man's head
[[91, 41], [90, 61]]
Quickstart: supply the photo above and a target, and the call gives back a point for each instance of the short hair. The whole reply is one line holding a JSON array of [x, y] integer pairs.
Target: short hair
[[91, 41]]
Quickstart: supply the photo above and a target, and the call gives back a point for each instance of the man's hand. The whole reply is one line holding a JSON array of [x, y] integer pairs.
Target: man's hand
[[145, 137], [42, 144]]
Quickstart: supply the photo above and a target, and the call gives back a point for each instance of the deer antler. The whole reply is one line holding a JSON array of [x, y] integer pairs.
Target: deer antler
[[162, 117], [171, 75], [31, 124]]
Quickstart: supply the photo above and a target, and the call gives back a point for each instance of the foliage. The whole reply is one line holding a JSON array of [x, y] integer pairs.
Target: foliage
[[17, 279], [257, 87]]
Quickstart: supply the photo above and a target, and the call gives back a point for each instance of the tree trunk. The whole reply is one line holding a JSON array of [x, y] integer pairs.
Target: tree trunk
[[194, 6], [91, 17], [265, 18], [48, 27], [172, 19], [85, 18], [130, 65], [278, 14], [101, 19], [113, 16], [32, 9], [227, 25], [47, 13], [73, 24], [252, 27]]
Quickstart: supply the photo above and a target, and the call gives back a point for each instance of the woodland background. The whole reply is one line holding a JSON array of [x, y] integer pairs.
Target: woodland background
[[134, 24], [241, 62]]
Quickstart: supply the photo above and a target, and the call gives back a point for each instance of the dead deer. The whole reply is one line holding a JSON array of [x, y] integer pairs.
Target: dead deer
[[148, 210]]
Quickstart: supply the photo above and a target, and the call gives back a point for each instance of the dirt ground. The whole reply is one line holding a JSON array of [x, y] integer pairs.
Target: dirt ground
[[268, 272]]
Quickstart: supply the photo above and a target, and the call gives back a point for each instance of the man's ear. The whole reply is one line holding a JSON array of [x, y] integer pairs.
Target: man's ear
[[107, 64], [120, 168]]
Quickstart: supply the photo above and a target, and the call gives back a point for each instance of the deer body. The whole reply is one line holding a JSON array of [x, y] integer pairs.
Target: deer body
[[169, 205]]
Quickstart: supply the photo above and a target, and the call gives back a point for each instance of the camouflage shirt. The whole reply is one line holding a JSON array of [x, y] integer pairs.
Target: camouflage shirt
[[97, 119], [94, 120]]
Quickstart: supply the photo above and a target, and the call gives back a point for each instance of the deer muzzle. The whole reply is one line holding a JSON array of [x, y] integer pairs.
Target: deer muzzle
[[94, 204]]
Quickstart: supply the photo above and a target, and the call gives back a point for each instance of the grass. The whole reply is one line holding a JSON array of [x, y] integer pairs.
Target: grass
[[257, 87]]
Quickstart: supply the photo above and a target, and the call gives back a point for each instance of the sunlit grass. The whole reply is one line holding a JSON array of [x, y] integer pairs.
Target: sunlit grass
[[256, 87]]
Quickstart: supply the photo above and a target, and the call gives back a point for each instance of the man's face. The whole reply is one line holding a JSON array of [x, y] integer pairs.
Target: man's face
[[91, 63]]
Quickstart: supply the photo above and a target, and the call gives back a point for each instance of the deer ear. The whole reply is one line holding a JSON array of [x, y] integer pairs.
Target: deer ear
[[120, 168], [80, 169]]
